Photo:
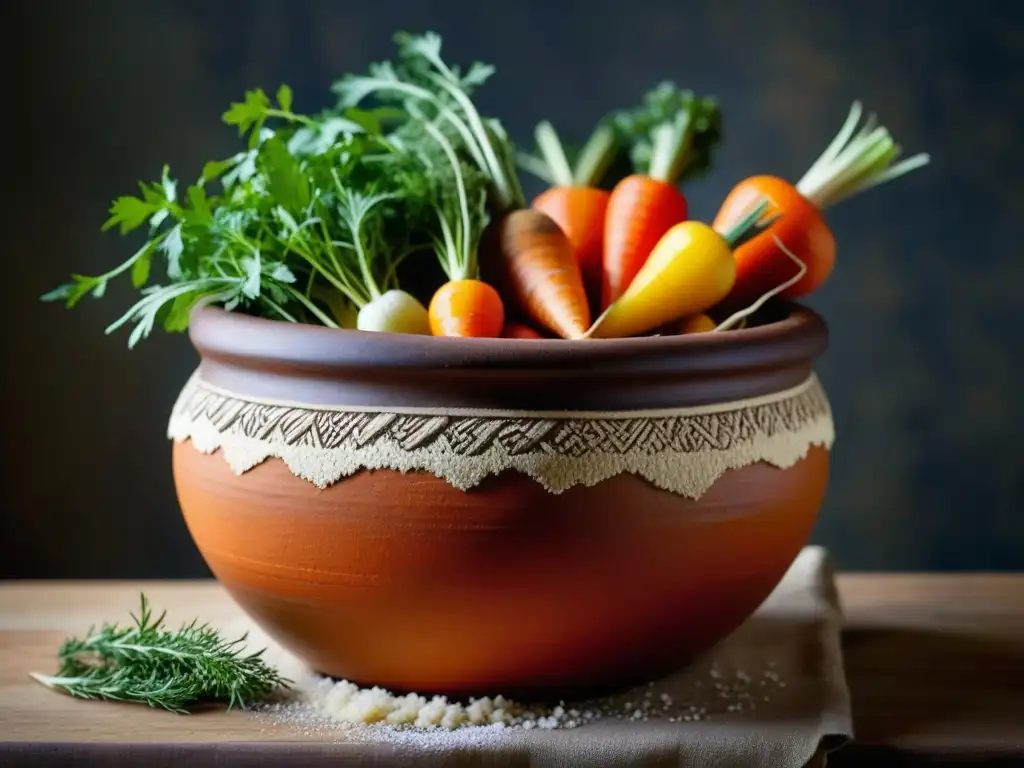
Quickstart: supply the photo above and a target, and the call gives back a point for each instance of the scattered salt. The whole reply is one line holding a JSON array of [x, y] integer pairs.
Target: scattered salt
[[320, 704]]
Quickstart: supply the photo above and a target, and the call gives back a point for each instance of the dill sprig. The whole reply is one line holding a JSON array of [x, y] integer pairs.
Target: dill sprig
[[150, 664]]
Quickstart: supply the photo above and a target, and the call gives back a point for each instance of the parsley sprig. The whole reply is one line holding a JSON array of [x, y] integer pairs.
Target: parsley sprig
[[174, 670], [314, 217]]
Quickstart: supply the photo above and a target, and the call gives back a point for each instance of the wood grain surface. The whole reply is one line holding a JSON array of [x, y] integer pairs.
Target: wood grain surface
[[935, 666]]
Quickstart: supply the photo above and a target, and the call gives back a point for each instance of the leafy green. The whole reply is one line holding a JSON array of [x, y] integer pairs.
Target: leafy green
[[286, 180], [458, 197], [255, 109], [149, 664], [316, 214], [672, 134], [280, 225], [437, 92]]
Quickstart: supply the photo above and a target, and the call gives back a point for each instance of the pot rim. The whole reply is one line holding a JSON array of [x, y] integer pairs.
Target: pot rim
[[800, 334]]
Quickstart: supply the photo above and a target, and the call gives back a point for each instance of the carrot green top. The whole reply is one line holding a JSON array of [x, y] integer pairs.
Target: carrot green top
[[855, 162], [553, 166], [748, 227], [672, 134]]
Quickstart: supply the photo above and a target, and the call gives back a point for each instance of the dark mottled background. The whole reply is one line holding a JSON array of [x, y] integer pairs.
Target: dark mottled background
[[925, 366]]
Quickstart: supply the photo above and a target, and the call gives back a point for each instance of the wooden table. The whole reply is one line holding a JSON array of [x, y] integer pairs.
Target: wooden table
[[935, 666]]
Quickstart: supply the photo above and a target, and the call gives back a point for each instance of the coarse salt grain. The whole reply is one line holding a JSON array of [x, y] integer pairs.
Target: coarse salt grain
[[379, 713]]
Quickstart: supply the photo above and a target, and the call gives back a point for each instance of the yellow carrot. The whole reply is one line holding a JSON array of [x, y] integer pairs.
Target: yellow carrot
[[696, 324], [689, 271]]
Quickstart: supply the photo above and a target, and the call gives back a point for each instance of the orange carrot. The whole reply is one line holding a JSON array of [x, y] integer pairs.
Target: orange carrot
[[739, 319], [580, 212], [674, 133], [801, 227], [541, 273], [850, 165], [465, 305], [519, 331], [640, 210], [466, 308], [574, 201]]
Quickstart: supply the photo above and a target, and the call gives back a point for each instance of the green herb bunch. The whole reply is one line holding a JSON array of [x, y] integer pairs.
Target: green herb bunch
[[175, 670], [314, 217], [421, 84]]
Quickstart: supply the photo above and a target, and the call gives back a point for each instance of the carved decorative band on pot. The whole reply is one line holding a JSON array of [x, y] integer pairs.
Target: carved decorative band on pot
[[683, 450]]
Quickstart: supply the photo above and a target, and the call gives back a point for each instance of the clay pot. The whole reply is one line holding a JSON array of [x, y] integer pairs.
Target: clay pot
[[500, 516]]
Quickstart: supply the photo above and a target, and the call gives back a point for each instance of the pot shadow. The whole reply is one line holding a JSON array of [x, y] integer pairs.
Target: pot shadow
[[904, 680]]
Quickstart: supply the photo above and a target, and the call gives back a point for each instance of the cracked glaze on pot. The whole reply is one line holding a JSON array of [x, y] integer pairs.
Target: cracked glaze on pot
[[538, 515]]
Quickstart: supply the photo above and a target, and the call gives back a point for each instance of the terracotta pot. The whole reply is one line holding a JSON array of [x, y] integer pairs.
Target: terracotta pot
[[500, 516]]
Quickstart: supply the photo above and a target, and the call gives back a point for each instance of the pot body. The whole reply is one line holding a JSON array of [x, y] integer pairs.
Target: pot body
[[462, 539]]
